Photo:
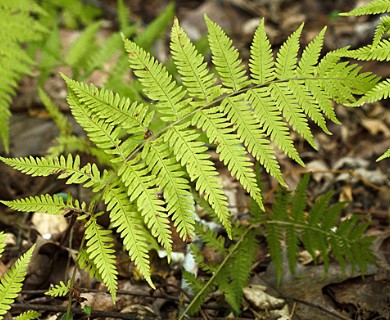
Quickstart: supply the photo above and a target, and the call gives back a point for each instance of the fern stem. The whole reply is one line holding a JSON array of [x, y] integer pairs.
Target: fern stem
[[209, 282]]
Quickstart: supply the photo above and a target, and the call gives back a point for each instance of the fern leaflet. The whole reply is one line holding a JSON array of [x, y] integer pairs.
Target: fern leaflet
[[59, 290], [11, 282], [28, 315]]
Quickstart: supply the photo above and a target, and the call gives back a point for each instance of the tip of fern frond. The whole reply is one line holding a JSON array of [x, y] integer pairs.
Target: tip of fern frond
[[149, 281]]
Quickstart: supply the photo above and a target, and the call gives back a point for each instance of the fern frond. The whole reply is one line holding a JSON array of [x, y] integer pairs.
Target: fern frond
[[311, 55], [110, 107], [226, 58], [99, 249], [28, 315], [12, 281], [19, 26], [379, 92], [211, 238], [379, 51], [157, 83], [261, 61], [270, 118], [129, 224], [59, 290], [191, 154], [286, 59], [373, 7], [141, 188], [192, 68], [176, 189], [80, 48], [247, 127], [50, 204], [231, 152], [292, 111], [2, 242], [58, 117], [297, 211], [384, 156], [274, 232], [382, 28], [85, 263], [65, 168]]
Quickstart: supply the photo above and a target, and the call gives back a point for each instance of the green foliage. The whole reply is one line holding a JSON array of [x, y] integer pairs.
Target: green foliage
[[378, 50], [231, 275], [11, 283], [18, 28], [28, 315], [59, 290], [319, 231], [236, 112]]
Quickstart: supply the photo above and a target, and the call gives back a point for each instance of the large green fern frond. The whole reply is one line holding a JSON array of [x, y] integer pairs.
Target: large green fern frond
[[12, 281]]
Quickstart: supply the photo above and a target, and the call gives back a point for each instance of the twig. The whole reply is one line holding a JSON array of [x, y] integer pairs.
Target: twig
[[78, 311]]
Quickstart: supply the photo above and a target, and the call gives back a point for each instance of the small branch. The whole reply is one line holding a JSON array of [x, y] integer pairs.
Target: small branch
[[78, 311]]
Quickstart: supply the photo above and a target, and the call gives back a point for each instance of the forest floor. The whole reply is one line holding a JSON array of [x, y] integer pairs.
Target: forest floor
[[345, 163]]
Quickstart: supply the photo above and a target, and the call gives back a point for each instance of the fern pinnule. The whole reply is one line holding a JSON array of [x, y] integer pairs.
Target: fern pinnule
[[286, 58], [28, 315], [373, 7], [2, 242], [200, 83], [106, 105], [384, 156], [140, 186], [59, 290], [261, 61], [50, 204], [171, 178], [229, 148], [12, 281], [128, 222], [100, 251], [226, 58], [270, 118], [157, 83], [245, 123], [190, 153]]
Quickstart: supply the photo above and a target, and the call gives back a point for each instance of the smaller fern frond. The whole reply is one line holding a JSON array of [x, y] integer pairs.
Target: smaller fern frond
[[311, 55], [2, 242], [58, 117], [157, 83], [59, 290], [247, 127], [373, 7], [379, 52], [191, 154], [379, 92], [270, 117], [176, 188], [286, 59], [141, 187], [28, 315], [226, 58], [261, 61], [50, 204], [100, 251], [192, 68], [129, 223], [65, 168], [229, 148], [384, 156], [12, 281]]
